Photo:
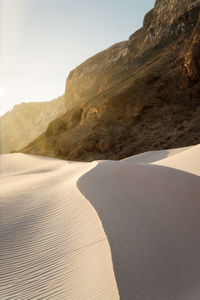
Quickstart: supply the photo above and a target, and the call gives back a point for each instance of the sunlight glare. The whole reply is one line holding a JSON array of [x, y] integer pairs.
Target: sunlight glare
[[2, 91]]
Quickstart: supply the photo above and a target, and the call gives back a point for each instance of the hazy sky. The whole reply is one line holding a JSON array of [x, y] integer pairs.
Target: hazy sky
[[42, 40]]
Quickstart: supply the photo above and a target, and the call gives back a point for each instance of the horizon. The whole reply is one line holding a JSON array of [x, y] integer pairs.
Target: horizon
[[41, 46]]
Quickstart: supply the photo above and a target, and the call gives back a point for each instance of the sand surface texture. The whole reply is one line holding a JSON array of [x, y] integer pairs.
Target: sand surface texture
[[103, 229], [53, 245]]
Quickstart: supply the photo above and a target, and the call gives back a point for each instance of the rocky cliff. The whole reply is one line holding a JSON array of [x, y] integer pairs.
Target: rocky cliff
[[26, 121], [138, 95]]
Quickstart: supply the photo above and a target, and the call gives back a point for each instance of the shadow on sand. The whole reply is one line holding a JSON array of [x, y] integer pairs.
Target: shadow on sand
[[150, 215]]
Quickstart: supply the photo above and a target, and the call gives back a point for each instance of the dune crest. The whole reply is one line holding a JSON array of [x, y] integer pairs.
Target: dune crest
[[188, 160]]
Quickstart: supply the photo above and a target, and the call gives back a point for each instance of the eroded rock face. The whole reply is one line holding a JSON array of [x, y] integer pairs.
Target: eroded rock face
[[95, 75], [191, 58], [169, 20], [139, 95], [26, 121]]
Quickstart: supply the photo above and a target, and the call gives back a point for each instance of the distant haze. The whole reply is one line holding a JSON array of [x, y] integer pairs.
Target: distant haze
[[42, 40]]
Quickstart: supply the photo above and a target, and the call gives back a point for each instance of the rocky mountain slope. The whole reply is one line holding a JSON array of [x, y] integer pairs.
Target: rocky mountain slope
[[26, 121], [138, 95]]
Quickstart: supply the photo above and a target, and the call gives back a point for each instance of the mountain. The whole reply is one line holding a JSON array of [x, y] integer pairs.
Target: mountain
[[138, 95], [26, 121]]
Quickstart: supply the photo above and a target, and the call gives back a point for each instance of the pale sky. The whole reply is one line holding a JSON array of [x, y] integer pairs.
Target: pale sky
[[42, 40]]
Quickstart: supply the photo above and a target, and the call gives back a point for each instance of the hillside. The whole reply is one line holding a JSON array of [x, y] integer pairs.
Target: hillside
[[26, 121], [138, 95]]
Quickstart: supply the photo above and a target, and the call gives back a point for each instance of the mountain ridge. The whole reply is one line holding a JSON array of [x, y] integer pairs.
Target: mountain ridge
[[138, 95], [26, 121]]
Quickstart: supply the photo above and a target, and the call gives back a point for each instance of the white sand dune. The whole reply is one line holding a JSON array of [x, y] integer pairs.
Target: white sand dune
[[99, 230], [185, 159], [52, 242], [188, 160], [153, 156]]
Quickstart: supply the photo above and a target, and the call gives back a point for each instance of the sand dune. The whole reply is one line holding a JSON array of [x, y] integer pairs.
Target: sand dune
[[154, 156], [53, 245], [185, 159], [99, 230], [188, 160]]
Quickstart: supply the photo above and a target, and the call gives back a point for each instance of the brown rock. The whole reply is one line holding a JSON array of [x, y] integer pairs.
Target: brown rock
[[138, 95], [26, 121]]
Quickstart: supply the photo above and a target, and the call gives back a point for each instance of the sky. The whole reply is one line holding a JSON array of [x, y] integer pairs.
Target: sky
[[41, 41]]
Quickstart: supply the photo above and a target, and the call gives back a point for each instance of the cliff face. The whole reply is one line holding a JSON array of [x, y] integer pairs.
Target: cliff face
[[26, 121], [138, 95], [96, 74], [169, 20]]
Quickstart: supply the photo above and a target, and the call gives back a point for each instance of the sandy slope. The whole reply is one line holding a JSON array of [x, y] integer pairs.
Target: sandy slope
[[55, 244], [185, 159], [154, 156], [52, 243], [188, 160]]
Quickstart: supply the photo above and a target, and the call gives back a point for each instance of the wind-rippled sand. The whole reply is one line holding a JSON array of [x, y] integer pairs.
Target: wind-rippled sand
[[98, 230]]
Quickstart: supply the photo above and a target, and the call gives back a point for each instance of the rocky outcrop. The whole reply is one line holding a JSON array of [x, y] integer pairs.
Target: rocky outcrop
[[139, 95], [191, 57], [96, 74], [26, 121], [168, 20]]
